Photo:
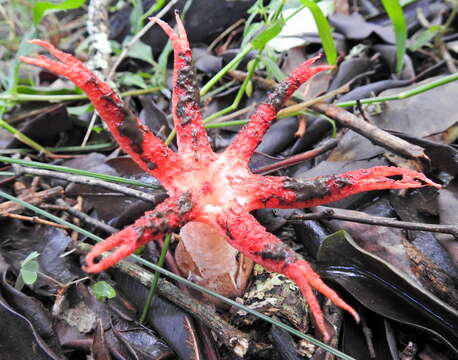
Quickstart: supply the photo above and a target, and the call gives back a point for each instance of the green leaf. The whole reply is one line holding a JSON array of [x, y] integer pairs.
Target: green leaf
[[268, 34], [41, 7], [324, 30], [136, 17], [273, 69], [141, 51], [424, 37], [33, 255], [79, 110], [130, 79], [97, 129], [102, 290], [29, 277], [394, 11], [24, 49], [29, 268]]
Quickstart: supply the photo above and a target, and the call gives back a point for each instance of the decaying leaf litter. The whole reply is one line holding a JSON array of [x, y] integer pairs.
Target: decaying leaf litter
[[414, 251]]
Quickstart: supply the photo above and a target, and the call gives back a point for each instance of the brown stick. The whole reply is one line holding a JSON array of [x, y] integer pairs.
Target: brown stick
[[31, 198], [372, 132], [324, 212]]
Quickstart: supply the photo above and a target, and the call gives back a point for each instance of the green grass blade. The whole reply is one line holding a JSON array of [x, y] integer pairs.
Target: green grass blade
[[324, 30], [394, 11], [68, 170], [42, 7]]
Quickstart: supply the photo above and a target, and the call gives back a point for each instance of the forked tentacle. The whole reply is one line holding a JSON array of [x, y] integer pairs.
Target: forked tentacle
[[168, 216], [250, 135], [148, 151], [285, 192], [250, 238], [192, 139]]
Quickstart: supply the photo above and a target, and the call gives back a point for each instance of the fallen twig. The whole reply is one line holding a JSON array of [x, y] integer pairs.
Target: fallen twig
[[86, 218], [89, 181], [372, 132], [324, 212], [31, 198], [34, 219], [292, 160]]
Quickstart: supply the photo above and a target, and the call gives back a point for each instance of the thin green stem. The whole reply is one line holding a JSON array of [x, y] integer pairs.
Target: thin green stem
[[35, 97], [62, 149], [226, 124], [23, 138], [232, 64], [69, 97], [157, 6], [235, 104], [19, 284], [181, 279], [152, 289], [405, 94], [68, 170]]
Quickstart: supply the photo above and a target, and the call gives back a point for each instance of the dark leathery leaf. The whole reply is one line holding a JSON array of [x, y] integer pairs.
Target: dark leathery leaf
[[206, 62], [448, 213], [278, 137], [385, 290], [355, 27], [51, 243], [415, 115], [44, 128], [384, 242], [99, 349], [19, 338], [349, 69], [142, 343], [365, 91], [443, 156], [421, 205], [34, 311], [284, 344], [172, 323], [388, 55]]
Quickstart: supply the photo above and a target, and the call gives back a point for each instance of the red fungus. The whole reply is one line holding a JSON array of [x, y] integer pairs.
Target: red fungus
[[218, 188]]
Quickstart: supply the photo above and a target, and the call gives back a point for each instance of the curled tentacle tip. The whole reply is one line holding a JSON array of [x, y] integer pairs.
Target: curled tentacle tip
[[355, 315], [41, 43], [320, 68], [419, 180], [100, 266]]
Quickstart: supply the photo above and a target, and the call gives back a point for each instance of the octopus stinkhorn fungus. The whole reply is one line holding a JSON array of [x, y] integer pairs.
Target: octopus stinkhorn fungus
[[218, 188]]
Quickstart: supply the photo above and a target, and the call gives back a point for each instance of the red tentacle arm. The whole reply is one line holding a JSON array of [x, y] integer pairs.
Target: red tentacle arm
[[285, 192], [251, 134], [192, 138], [168, 216], [148, 151], [250, 238]]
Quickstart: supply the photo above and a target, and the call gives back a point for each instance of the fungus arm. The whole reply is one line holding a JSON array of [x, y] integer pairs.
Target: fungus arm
[[192, 139], [168, 216], [250, 238], [285, 192], [148, 151], [250, 135]]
